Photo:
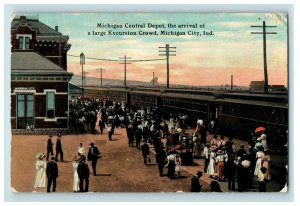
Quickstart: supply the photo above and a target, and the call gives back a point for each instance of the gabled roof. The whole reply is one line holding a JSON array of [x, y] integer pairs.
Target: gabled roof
[[33, 63], [42, 28]]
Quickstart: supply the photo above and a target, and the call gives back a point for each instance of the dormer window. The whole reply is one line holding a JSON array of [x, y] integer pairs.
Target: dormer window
[[23, 41]]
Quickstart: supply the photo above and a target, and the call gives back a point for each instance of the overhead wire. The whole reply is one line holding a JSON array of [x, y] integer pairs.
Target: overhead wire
[[118, 60]]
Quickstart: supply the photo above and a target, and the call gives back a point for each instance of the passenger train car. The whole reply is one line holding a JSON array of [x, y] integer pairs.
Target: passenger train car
[[114, 94], [242, 111], [195, 104], [146, 98], [247, 111]]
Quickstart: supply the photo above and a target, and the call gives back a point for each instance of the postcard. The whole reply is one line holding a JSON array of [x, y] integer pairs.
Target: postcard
[[149, 102]]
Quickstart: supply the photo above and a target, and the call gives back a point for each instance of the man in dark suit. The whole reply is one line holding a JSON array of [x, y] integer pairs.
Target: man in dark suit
[[196, 187], [59, 150], [52, 174], [161, 157], [93, 156], [49, 146], [83, 172], [145, 152]]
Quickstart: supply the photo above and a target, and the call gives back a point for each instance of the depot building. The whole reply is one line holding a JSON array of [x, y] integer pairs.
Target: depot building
[[39, 78]]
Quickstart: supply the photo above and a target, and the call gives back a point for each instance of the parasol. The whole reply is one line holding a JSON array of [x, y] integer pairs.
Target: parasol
[[260, 129]]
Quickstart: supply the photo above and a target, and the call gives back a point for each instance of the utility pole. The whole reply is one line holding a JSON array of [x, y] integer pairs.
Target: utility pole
[[153, 79], [231, 85], [167, 52], [264, 33], [84, 76], [125, 63], [82, 62], [100, 70]]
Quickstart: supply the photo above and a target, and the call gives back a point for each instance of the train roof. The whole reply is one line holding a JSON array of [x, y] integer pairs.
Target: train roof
[[189, 96], [152, 93], [194, 92], [280, 98], [269, 95], [252, 102]]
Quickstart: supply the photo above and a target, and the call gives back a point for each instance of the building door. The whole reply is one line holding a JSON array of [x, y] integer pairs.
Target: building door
[[25, 114]]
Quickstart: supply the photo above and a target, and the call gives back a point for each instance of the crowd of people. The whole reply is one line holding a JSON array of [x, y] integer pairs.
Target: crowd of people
[[47, 168], [145, 128], [224, 161]]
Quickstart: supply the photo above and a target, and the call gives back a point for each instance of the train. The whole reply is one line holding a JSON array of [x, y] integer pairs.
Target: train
[[241, 111]]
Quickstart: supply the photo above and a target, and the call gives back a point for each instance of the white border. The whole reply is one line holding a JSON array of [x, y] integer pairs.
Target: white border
[[124, 197]]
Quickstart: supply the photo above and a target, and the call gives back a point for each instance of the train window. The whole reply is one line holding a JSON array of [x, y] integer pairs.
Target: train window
[[251, 113], [273, 114], [220, 109], [229, 109]]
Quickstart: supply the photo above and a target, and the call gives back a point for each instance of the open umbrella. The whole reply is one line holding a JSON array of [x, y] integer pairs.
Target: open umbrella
[[260, 129]]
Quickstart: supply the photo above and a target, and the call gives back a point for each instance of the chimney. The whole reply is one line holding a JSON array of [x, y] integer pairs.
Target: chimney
[[23, 17], [56, 28]]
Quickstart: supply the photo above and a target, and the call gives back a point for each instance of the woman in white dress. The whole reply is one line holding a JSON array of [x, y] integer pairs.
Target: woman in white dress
[[81, 150], [212, 161], [259, 155], [177, 164], [75, 174], [40, 166]]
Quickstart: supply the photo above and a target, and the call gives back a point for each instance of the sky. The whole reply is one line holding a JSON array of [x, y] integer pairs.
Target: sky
[[204, 60]]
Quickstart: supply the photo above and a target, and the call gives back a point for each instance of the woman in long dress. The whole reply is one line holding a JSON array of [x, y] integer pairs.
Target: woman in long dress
[[220, 164], [197, 149], [81, 150], [75, 174], [40, 166], [265, 163], [212, 161], [177, 164], [259, 155]]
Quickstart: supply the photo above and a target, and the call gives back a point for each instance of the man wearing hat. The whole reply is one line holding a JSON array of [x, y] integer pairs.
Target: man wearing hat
[[161, 157], [196, 187], [52, 174], [83, 172], [58, 149], [93, 156], [145, 152], [49, 146], [241, 151]]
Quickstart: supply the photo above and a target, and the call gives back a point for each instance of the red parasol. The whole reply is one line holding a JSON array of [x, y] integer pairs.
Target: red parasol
[[260, 129]]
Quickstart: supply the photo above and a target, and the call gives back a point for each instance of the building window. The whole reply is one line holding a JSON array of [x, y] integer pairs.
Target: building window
[[50, 104], [23, 41], [27, 42], [25, 114]]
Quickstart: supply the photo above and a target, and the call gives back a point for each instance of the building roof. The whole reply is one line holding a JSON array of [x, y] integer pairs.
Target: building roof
[[42, 28], [33, 63]]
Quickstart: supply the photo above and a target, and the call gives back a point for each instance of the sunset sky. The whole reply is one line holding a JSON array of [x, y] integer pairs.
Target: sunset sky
[[199, 61]]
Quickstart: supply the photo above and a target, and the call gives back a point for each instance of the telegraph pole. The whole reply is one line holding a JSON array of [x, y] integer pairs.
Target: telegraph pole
[[231, 85], [82, 62], [100, 70], [125, 63], [153, 79], [264, 33], [84, 76], [167, 52]]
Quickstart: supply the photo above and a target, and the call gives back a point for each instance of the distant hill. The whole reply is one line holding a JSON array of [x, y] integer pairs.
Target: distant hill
[[93, 81]]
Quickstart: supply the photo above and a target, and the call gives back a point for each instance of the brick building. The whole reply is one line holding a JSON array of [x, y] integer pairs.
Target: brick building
[[257, 86], [39, 77]]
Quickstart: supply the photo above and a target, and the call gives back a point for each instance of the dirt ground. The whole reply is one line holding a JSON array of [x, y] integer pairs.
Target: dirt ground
[[120, 169]]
